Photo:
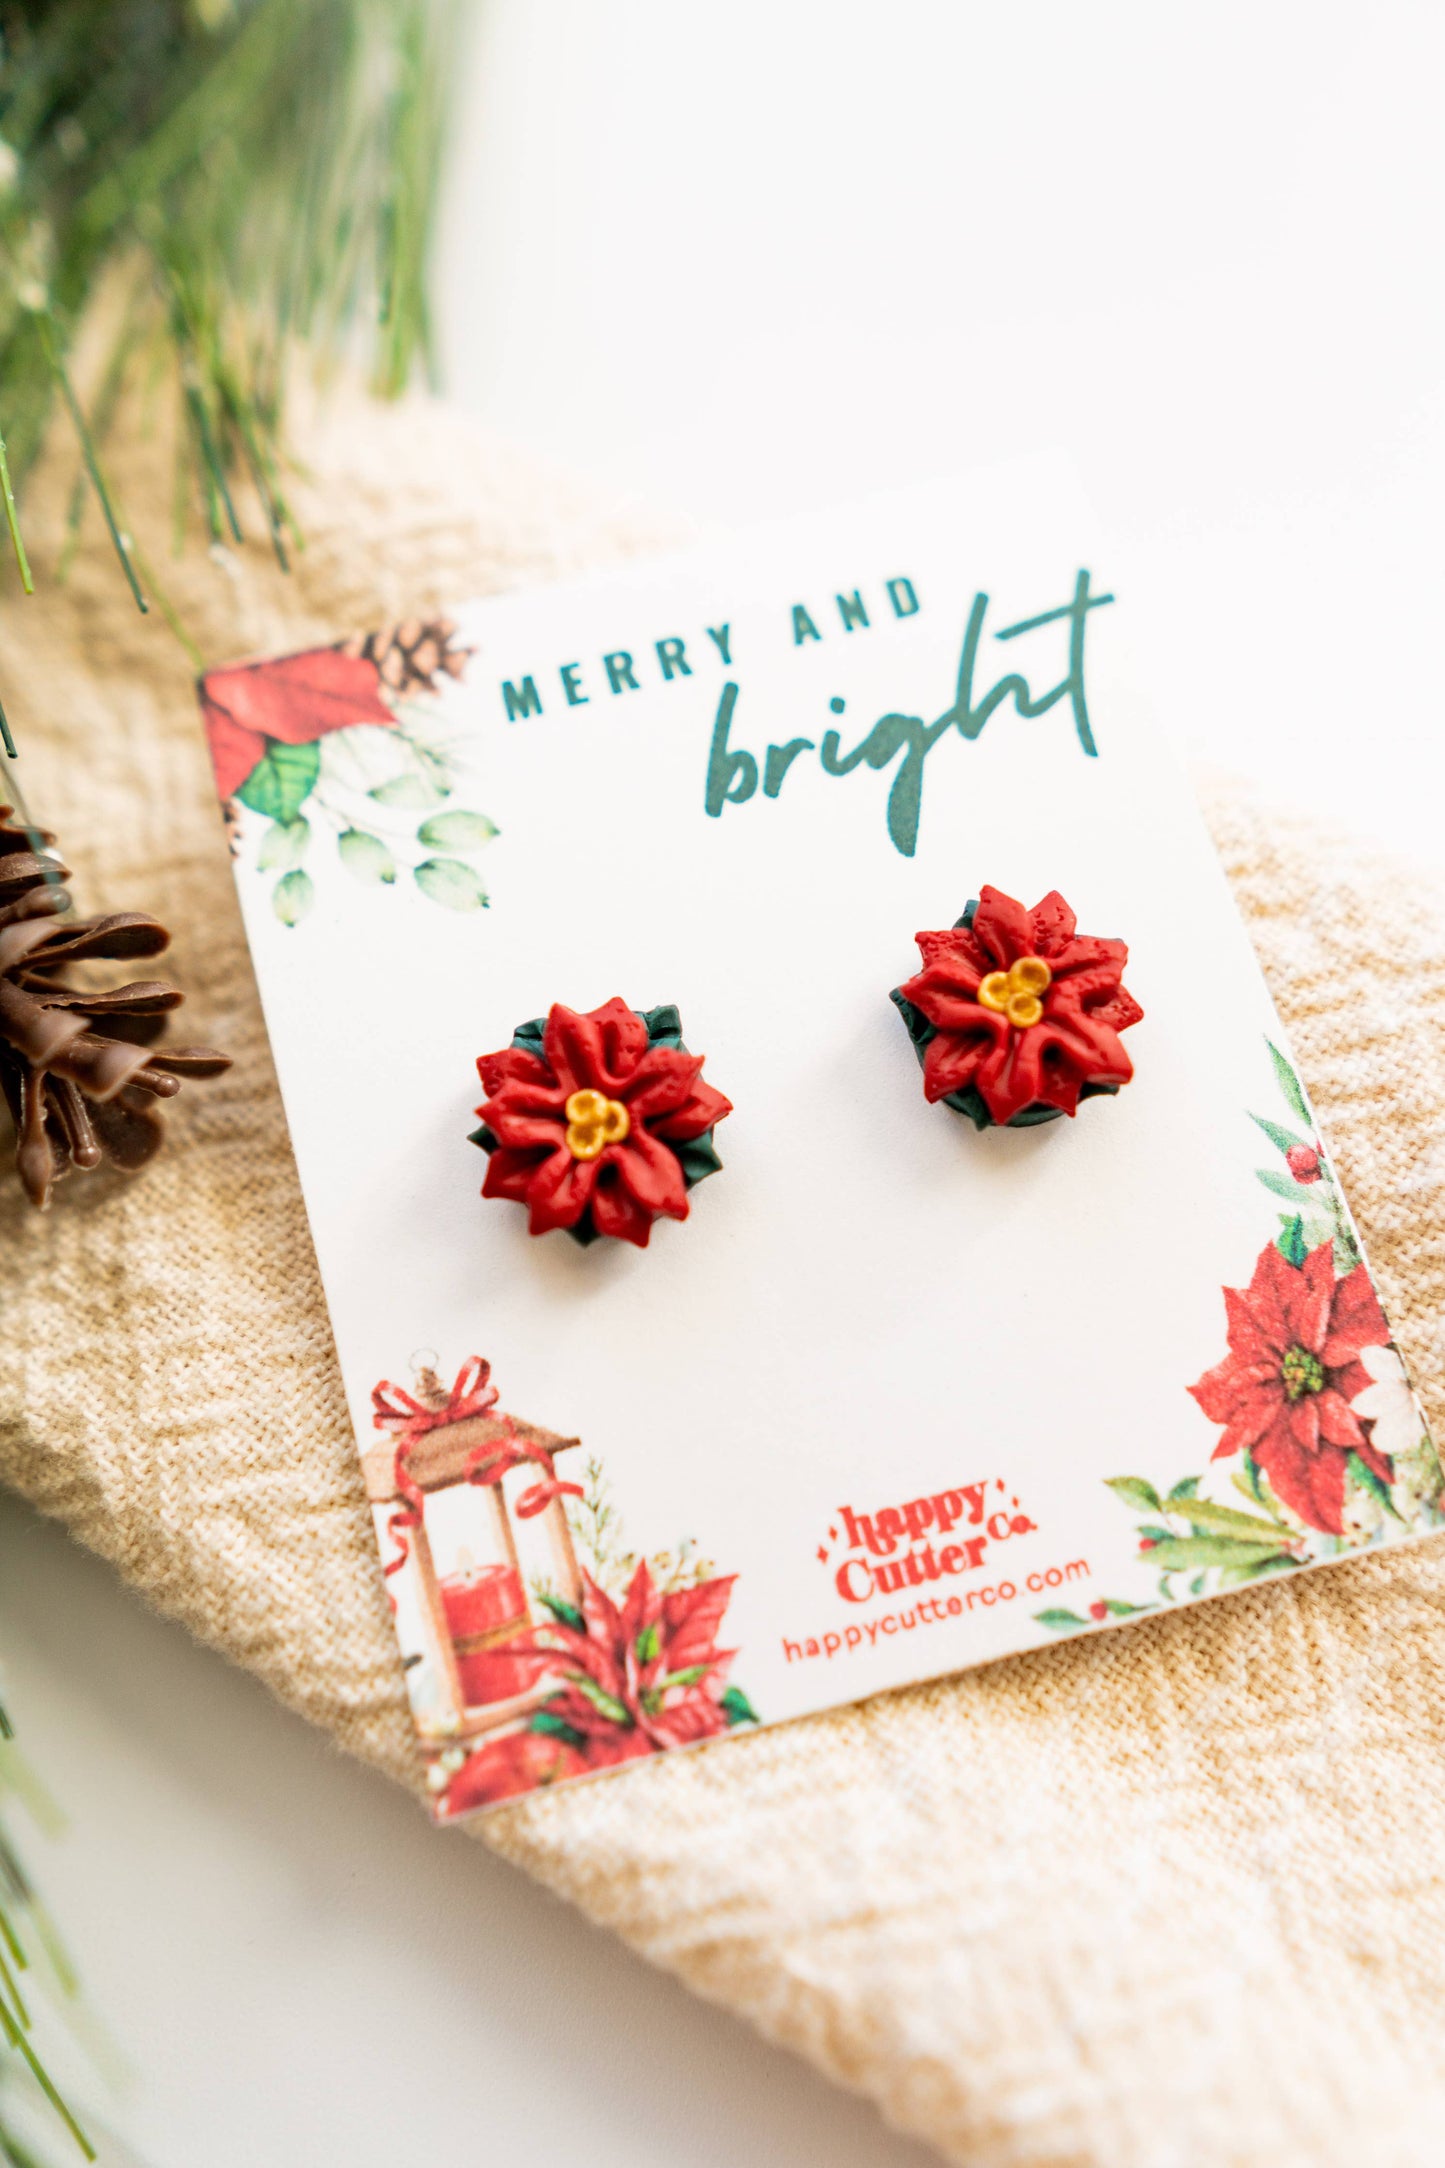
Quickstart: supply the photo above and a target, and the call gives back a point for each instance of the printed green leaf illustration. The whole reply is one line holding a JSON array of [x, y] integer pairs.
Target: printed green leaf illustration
[[737, 1708], [1184, 1489], [566, 1613], [293, 897], [449, 881], [456, 831], [1292, 1244], [1284, 1185], [1283, 1140], [1239, 1576], [281, 782], [649, 1641], [604, 1703], [1059, 1619], [284, 845], [412, 791], [1169, 1553], [1289, 1084], [555, 1727], [1229, 1521], [365, 856], [1116, 1608], [1135, 1492], [1369, 1481]]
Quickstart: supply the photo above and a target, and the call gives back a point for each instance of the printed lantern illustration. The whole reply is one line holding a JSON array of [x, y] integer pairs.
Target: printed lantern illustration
[[443, 1473]]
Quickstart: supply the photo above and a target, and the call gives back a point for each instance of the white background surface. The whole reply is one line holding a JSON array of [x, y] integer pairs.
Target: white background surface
[[739, 260]]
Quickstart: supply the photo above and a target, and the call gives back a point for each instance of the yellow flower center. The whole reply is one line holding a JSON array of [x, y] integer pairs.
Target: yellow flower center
[[593, 1123], [1015, 993]]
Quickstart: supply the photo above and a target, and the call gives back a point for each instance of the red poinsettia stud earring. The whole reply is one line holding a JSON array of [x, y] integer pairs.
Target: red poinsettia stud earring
[[598, 1123], [1015, 1017]]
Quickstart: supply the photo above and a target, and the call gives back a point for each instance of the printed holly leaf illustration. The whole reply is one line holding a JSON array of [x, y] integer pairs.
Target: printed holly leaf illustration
[[282, 780], [1059, 1621], [293, 897], [449, 881], [456, 831], [1292, 1244], [1135, 1492], [737, 1708], [365, 856], [284, 845], [1289, 1083]]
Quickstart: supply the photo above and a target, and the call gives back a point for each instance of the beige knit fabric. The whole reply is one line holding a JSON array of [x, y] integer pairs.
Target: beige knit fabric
[[1169, 1898]]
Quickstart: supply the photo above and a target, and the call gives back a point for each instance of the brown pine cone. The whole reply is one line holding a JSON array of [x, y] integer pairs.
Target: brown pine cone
[[411, 656], [79, 1095]]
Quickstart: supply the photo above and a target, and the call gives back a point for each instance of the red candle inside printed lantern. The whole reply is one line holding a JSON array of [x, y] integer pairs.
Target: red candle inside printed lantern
[[443, 1474]]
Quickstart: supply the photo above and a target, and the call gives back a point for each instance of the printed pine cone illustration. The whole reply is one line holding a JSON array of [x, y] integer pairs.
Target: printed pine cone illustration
[[76, 1064], [413, 656]]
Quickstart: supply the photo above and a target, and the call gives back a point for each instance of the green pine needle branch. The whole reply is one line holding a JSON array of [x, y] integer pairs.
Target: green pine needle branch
[[255, 177]]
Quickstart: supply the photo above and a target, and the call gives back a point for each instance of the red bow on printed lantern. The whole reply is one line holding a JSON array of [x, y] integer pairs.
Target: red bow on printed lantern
[[475, 1612], [598, 1123], [1015, 1017]]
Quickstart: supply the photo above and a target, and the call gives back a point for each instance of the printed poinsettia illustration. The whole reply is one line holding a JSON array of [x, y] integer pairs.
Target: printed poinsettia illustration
[[348, 737], [598, 1123], [1015, 1016], [639, 1677], [1321, 1432], [1283, 1392]]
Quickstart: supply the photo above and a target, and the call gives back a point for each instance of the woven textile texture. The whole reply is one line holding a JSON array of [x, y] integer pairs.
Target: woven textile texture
[[1167, 1898]]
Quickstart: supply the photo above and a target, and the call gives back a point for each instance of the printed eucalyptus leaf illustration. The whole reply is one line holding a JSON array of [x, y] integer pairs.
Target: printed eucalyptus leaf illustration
[[281, 782], [293, 897], [411, 791], [365, 856], [449, 881], [456, 831], [284, 845]]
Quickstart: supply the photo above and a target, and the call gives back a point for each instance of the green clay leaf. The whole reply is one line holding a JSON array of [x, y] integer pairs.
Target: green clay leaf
[[1135, 1492], [281, 781], [450, 882], [293, 897], [365, 856], [284, 845], [456, 831]]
